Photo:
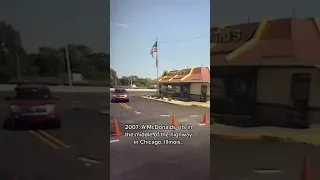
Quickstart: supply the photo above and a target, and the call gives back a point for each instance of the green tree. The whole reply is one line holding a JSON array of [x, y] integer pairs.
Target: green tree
[[48, 62], [114, 81], [11, 52]]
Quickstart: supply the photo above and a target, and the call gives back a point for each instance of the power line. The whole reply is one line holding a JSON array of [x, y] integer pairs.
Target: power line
[[183, 40]]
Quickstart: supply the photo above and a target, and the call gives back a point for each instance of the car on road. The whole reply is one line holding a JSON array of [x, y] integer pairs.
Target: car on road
[[33, 105], [120, 95]]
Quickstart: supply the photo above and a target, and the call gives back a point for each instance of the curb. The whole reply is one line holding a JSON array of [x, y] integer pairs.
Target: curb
[[261, 138], [203, 106]]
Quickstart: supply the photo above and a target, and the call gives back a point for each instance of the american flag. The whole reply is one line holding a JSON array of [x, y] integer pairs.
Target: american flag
[[154, 49]]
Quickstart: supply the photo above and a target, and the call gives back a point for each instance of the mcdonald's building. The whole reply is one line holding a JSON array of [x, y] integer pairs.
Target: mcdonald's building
[[266, 73], [186, 84]]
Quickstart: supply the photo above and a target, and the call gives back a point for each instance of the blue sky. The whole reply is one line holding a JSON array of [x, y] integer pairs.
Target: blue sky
[[235, 12], [136, 24]]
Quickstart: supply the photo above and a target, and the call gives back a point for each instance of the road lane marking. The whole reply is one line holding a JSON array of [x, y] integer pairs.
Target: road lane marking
[[194, 115], [268, 171], [115, 140], [202, 124], [104, 111], [87, 160], [165, 115], [46, 141], [183, 120], [125, 106], [87, 164], [137, 112], [55, 140]]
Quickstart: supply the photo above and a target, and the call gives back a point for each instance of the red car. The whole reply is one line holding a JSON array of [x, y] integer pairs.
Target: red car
[[33, 104], [120, 95]]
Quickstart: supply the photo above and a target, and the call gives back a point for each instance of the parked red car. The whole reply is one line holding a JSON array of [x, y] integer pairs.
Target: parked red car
[[33, 104], [120, 95]]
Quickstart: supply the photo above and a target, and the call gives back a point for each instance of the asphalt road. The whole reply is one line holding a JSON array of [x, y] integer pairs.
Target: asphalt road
[[129, 161], [78, 150], [248, 160], [83, 150]]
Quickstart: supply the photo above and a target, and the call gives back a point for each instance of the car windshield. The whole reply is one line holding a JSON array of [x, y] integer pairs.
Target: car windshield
[[33, 93], [120, 91]]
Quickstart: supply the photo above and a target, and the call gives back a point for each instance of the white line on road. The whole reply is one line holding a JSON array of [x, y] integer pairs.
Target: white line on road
[[115, 140], [104, 112], [268, 171], [202, 124], [137, 112], [87, 160], [183, 120], [194, 115], [165, 115], [87, 164]]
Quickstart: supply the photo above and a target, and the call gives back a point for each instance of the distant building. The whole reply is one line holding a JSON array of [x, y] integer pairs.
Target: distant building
[[267, 73], [186, 84]]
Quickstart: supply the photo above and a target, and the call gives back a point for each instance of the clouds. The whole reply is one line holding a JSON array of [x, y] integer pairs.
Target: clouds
[[119, 25]]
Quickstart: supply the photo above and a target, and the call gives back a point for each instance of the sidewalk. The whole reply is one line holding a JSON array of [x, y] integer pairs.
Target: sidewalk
[[308, 136], [181, 103]]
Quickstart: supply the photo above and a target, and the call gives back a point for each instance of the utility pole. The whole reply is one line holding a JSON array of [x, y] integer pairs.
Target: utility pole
[[66, 49], [68, 65], [294, 13]]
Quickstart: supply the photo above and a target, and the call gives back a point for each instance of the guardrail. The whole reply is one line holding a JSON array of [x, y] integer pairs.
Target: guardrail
[[77, 89]]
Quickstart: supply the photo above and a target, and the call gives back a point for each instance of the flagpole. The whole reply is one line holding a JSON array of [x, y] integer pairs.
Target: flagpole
[[157, 65], [157, 57]]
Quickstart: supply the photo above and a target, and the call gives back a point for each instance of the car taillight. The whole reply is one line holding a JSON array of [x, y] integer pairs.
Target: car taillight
[[125, 95]]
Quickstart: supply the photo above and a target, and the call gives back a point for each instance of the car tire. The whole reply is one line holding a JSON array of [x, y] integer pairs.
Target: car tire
[[128, 100]]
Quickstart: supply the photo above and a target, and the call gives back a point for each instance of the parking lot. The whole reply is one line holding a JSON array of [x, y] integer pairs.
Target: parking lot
[[78, 150], [261, 160], [131, 161]]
